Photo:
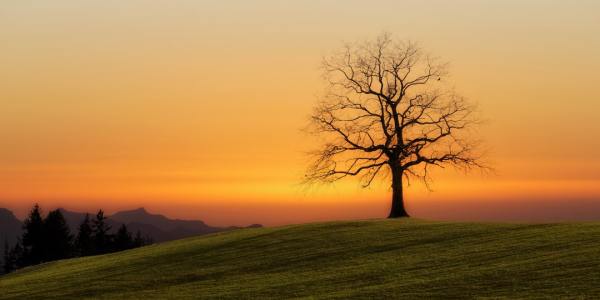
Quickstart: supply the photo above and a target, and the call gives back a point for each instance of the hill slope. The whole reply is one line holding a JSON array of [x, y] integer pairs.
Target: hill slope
[[381, 258]]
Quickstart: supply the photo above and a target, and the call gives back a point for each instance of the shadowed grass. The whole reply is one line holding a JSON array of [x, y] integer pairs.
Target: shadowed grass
[[363, 259]]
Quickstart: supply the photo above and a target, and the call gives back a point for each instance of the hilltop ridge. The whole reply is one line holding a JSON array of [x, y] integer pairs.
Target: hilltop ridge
[[364, 259]]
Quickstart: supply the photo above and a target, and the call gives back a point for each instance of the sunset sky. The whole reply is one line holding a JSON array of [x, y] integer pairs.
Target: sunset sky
[[194, 109]]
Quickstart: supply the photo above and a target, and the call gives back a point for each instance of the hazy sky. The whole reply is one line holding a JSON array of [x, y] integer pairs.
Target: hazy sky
[[194, 108]]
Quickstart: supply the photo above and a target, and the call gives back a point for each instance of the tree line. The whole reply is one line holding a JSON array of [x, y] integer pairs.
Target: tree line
[[48, 239]]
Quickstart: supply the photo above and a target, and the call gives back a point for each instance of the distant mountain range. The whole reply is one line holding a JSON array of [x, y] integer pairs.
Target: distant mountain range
[[10, 228], [155, 226]]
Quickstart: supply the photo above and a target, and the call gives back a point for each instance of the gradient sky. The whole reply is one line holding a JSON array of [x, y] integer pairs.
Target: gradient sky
[[194, 108]]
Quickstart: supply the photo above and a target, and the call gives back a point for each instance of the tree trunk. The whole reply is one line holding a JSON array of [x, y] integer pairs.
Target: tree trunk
[[397, 210]]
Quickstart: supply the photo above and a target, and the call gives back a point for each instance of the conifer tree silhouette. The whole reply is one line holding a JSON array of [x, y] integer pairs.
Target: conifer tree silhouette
[[84, 242], [138, 241], [102, 238], [7, 266], [123, 240], [58, 241], [33, 237]]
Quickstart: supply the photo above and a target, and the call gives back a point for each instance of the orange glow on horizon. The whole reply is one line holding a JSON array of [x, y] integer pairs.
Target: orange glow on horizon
[[194, 109]]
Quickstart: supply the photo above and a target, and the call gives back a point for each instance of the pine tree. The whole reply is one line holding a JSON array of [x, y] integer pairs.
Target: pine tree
[[33, 237], [102, 238], [123, 240], [16, 255], [7, 265], [84, 243], [57, 237], [138, 241], [13, 258]]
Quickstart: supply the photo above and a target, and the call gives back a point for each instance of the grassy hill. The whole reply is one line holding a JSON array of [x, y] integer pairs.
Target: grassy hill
[[364, 259]]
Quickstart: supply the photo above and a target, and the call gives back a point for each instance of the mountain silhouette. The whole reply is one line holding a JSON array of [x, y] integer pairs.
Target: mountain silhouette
[[74, 219], [156, 226], [10, 229], [161, 228], [141, 216]]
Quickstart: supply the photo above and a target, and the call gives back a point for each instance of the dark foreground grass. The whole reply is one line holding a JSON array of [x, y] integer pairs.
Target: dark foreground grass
[[366, 259]]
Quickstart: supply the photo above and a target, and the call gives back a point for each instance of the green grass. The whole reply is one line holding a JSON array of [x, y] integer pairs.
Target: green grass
[[364, 259]]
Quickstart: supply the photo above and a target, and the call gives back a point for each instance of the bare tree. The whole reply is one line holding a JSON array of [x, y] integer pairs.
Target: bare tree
[[387, 110]]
